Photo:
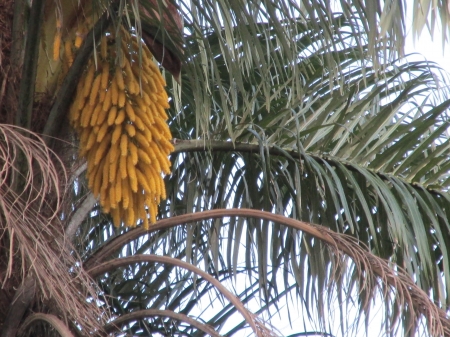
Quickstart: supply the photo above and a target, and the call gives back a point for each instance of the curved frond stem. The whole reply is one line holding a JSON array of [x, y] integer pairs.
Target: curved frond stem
[[124, 261], [141, 314], [407, 291], [29, 70], [198, 145], [54, 321]]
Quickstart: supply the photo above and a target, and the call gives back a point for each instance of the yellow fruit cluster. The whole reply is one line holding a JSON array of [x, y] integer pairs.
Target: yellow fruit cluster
[[119, 115]]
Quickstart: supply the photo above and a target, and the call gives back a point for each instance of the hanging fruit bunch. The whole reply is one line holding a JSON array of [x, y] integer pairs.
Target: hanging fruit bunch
[[120, 118]]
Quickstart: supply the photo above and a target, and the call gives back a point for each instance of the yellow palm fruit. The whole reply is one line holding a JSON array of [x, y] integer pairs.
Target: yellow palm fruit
[[102, 95], [102, 132], [91, 141], [113, 165], [125, 194], [95, 115], [68, 52], [144, 117], [102, 148], [88, 80], [166, 146], [143, 181], [120, 117], [56, 45], [86, 115], [117, 133], [163, 191], [151, 84], [149, 176], [163, 128], [105, 74], [141, 140], [153, 210], [130, 111], [123, 167], [158, 180], [123, 145], [97, 173], [129, 128], [107, 101], [112, 197], [95, 88], [121, 99], [112, 114], [79, 36], [74, 113], [81, 102], [140, 203], [140, 103], [131, 170], [119, 79], [141, 126], [115, 213], [144, 156], [153, 112], [105, 174], [138, 72], [118, 186], [122, 131], [102, 114], [131, 221], [133, 152]]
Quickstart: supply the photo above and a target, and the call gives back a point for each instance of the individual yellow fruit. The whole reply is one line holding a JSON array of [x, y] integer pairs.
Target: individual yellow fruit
[[143, 181], [102, 132], [121, 99], [130, 111], [86, 115], [113, 171], [133, 152], [105, 75], [125, 194], [117, 133], [102, 148], [119, 79], [129, 128], [89, 80], [131, 170], [118, 186], [107, 101], [144, 156], [112, 114], [95, 88], [56, 45], [120, 117], [68, 52], [115, 213], [123, 145], [123, 167]]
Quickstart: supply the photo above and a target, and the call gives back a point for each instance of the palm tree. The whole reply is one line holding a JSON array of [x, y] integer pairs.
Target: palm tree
[[310, 175]]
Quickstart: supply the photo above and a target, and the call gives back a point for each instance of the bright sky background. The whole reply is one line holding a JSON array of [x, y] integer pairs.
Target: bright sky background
[[431, 49]]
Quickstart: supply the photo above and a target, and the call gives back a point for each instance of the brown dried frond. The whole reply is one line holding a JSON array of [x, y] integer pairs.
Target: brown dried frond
[[30, 194]]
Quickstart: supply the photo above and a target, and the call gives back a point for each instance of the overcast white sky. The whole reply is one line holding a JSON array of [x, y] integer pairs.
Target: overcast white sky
[[430, 48]]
